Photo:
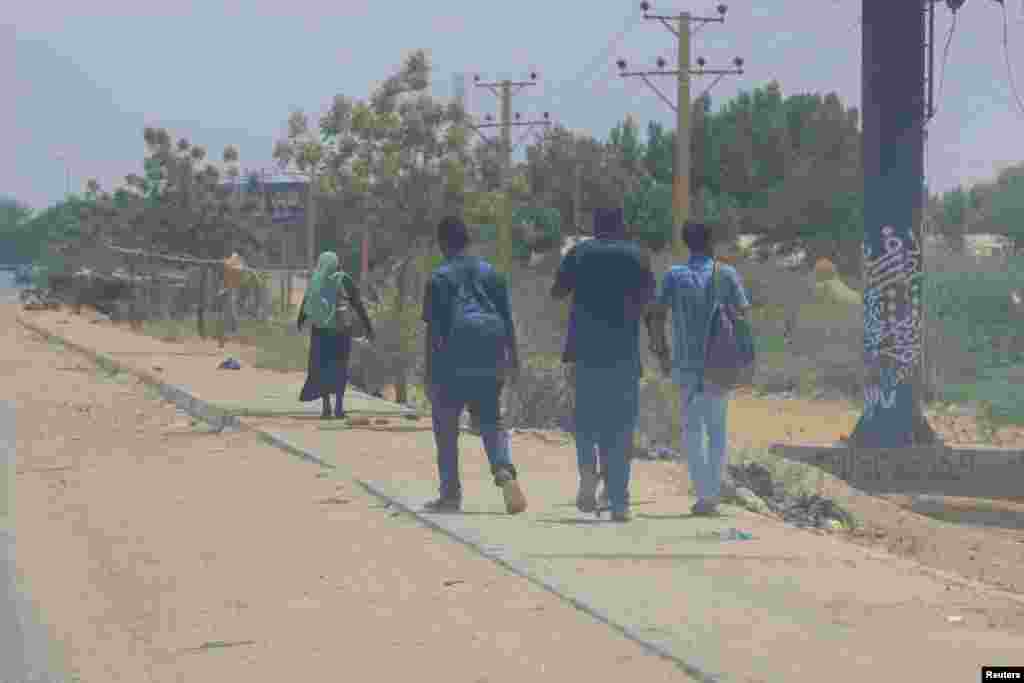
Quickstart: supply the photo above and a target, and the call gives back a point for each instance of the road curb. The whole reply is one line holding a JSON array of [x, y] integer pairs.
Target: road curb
[[498, 554], [195, 407]]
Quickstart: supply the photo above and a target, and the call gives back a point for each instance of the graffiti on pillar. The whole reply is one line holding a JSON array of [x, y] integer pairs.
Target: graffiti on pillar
[[880, 394], [893, 316]]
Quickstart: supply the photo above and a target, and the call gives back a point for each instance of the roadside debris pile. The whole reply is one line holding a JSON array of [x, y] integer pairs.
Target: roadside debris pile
[[38, 300], [751, 486]]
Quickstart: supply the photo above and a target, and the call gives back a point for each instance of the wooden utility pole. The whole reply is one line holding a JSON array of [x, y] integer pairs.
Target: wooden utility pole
[[503, 89], [681, 177], [681, 166]]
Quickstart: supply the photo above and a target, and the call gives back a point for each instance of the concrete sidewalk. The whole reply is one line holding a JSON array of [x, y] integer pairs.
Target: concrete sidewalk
[[788, 605], [249, 391]]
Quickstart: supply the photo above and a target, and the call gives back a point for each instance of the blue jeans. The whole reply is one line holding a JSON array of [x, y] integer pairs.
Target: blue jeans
[[704, 414], [448, 400], [607, 405]]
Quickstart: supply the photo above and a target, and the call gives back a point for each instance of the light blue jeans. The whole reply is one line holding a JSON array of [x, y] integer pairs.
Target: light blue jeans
[[704, 415]]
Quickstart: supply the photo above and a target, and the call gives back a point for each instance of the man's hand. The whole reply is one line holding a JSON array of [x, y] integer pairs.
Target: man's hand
[[665, 361], [570, 373], [512, 373]]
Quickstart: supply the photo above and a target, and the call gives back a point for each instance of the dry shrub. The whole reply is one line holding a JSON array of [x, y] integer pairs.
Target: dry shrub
[[542, 398], [659, 419]]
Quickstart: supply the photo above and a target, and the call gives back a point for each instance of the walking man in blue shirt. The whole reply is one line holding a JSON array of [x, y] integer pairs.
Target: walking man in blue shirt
[[611, 282], [470, 352], [684, 293]]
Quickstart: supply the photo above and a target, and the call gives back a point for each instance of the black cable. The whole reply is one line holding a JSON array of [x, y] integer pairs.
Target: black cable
[[584, 76], [1009, 65], [942, 72]]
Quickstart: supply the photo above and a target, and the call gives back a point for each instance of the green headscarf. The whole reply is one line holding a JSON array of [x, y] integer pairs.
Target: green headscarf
[[321, 298]]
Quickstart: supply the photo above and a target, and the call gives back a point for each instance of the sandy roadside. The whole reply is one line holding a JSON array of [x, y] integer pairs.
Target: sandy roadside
[[158, 552]]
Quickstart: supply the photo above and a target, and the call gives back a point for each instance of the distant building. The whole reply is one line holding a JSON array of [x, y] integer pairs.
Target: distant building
[[283, 198]]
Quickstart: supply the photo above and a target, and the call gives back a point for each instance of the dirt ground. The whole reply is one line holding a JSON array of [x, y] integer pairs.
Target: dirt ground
[[990, 554], [158, 552]]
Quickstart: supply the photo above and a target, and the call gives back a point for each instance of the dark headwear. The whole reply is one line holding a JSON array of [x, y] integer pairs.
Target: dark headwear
[[609, 224], [697, 236], [452, 234]]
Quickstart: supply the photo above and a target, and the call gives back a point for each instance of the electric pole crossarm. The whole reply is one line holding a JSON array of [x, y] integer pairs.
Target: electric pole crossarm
[[657, 92], [544, 122], [701, 20], [504, 90], [498, 84], [664, 22], [682, 27], [713, 84], [717, 72], [476, 130], [692, 72]]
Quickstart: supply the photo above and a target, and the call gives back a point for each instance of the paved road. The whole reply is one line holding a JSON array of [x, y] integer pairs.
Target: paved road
[[25, 655]]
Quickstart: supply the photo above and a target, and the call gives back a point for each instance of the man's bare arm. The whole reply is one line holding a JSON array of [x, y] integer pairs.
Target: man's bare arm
[[656, 318], [428, 353]]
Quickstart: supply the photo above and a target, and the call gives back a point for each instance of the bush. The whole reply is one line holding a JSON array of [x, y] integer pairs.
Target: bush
[[542, 398]]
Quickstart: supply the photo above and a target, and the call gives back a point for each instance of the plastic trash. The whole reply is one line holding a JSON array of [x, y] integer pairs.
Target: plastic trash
[[732, 534], [663, 453], [230, 364]]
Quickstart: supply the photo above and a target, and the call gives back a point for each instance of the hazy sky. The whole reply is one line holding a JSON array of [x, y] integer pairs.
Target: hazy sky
[[82, 79]]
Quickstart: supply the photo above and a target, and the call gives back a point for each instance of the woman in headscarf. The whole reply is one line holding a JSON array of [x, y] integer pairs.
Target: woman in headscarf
[[329, 350]]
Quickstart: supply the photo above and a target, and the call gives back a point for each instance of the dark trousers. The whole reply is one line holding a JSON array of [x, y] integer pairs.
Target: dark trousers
[[607, 407], [327, 372], [448, 399]]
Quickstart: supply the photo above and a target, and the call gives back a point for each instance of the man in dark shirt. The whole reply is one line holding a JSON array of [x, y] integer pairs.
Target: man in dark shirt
[[455, 380], [611, 282]]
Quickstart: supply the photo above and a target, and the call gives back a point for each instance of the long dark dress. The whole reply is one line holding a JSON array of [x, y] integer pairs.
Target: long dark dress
[[327, 372]]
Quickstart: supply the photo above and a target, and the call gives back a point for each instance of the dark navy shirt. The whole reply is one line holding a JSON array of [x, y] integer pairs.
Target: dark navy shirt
[[611, 282]]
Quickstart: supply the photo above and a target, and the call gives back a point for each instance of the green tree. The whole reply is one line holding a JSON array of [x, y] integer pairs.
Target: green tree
[[17, 242], [552, 165], [179, 205], [951, 214], [648, 212], [1004, 208], [535, 229], [400, 154], [659, 153]]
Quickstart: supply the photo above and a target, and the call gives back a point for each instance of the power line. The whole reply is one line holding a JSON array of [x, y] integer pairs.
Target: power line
[[1009, 65], [945, 61], [585, 75]]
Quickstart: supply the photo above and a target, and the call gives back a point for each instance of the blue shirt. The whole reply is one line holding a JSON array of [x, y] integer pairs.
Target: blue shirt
[[684, 291], [438, 299]]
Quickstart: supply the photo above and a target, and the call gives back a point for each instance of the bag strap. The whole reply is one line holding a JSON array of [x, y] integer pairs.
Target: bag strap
[[343, 284], [711, 297], [474, 288]]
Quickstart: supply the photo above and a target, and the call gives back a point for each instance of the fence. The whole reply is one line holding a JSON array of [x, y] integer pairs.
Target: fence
[[162, 286]]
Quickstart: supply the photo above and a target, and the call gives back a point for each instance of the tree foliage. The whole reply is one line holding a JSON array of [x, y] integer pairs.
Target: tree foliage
[[400, 151], [17, 243], [787, 168], [180, 203]]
